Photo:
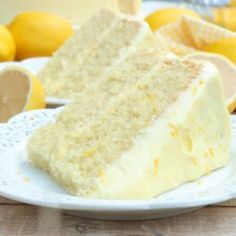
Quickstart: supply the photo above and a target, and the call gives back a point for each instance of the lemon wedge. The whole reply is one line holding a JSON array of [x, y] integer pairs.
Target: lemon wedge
[[225, 47], [19, 91], [228, 73], [165, 16]]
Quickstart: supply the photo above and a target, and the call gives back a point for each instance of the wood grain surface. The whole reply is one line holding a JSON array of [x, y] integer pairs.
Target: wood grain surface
[[21, 219]]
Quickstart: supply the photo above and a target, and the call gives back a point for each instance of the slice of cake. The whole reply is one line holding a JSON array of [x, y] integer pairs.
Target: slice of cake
[[76, 11], [168, 127], [97, 48]]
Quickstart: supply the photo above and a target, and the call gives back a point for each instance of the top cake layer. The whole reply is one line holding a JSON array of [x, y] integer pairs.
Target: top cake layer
[[97, 48]]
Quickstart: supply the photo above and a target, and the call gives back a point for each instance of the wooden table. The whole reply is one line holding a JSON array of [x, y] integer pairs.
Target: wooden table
[[21, 219]]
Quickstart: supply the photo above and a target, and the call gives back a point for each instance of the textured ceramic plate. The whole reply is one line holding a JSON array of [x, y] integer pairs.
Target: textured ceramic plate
[[22, 182]]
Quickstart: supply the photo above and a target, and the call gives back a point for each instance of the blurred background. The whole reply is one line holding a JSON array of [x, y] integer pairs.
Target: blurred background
[[37, 28], [222, 12]]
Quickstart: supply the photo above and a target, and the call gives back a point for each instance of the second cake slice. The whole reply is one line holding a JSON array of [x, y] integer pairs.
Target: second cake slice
[[101, 43]]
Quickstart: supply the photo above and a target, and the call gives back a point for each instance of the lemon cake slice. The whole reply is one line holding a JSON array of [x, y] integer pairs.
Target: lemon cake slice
[[101, 43], [169, 127]]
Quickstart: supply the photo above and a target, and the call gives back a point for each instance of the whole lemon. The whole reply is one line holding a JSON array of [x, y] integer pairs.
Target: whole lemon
[[232, 3], [38, 33], [225, 16], [7, 45], [167, 15]]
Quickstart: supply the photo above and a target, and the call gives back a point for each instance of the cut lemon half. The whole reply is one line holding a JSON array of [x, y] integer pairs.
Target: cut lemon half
[[19, 91], [227, 70]]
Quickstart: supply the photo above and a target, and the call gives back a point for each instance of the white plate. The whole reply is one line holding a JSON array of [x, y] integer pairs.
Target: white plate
[[33, 64], [22, 182]]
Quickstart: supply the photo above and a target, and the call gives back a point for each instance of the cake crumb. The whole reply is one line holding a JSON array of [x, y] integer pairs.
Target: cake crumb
[[156, 165], [201, 82], [211, 152], [173, 130], [26, 179]]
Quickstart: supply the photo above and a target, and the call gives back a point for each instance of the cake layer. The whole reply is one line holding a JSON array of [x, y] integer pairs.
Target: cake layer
[[89, 102], [87, 107], [102, 43], [154, 136], [73, 52]]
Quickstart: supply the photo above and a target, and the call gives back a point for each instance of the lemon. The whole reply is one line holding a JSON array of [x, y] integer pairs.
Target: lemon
[[7, 45], [167, 15], [232, 3], [38, 34], [225, 16], [228, 73], [19, 91], [225, 47]]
